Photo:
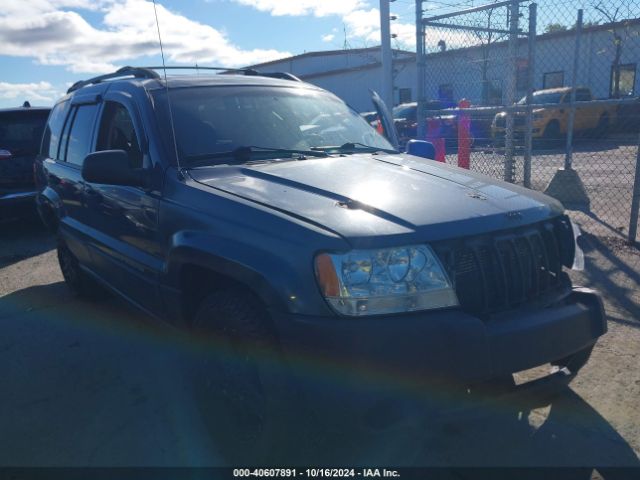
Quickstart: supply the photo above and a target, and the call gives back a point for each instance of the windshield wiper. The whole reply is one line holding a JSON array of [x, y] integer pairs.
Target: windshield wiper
[[246, 153], [353, 147]]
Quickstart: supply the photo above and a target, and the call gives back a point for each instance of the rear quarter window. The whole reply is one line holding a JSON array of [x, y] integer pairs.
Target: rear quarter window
[[53, 131]]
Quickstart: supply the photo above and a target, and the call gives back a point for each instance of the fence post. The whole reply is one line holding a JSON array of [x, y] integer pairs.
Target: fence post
[[420, 71], [568, 159], [566, 184], [511, 90], [635, 201], [531, 65], [464, 135]]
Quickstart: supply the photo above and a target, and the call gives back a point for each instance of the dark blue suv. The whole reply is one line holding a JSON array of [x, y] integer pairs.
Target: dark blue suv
[[265, 212]]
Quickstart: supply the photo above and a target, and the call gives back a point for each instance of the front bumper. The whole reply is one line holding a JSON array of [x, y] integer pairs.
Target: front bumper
[[446, 344]]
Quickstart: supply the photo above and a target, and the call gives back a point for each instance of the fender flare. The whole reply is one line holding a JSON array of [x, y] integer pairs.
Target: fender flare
[[191, 248]]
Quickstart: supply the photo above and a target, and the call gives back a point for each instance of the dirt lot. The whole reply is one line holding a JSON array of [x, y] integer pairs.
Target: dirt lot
[[99, 384]]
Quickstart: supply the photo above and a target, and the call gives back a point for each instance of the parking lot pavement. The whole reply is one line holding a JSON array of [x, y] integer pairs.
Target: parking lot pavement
[[99, 384]]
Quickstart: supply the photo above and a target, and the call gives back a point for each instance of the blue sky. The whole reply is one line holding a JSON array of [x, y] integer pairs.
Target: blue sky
[[46, 45]]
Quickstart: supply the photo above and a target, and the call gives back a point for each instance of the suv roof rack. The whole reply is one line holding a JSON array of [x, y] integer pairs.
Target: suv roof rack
[[150, 72], [137, 72], [282, 75], [225, 70]]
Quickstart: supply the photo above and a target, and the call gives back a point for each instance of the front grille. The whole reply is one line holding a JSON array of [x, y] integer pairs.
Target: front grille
[[500, 271]]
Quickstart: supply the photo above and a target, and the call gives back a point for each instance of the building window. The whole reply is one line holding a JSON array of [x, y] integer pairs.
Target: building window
[[553, 79], [627, 80], [405, 95]]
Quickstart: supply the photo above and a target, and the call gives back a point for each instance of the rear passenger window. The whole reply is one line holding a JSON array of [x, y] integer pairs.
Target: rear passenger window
[[53, 131], [79, 144], [118, 133]]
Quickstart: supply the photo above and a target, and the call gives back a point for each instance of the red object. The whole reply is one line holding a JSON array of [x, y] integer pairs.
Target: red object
[[464, 136], [380, 128], [434, 136]]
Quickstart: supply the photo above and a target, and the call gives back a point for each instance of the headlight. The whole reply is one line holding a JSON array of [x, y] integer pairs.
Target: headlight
[[391, 280]]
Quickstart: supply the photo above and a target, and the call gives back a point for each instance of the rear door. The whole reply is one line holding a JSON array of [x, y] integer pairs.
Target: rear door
[[68, 139], [586, 115]]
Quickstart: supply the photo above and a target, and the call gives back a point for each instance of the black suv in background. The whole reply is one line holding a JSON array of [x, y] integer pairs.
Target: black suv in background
[[20, 136], [283, 227]]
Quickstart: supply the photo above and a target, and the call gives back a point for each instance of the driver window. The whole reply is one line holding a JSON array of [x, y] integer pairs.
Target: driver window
[[118, 133]]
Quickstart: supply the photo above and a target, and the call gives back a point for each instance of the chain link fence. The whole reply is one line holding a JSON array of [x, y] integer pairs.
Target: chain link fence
[[553, 104]]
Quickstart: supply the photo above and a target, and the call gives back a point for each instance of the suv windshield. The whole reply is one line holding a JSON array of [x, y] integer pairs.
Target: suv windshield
[[21, 131], [215, 120]]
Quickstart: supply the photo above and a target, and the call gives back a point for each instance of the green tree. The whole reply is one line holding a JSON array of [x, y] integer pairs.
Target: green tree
[[555, 27]]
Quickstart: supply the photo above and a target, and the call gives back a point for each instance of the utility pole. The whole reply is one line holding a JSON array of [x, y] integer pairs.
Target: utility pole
[[387, 59]]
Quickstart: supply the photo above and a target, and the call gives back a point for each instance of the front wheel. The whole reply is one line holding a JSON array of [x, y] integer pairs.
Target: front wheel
[[241, 383], [552, 137]]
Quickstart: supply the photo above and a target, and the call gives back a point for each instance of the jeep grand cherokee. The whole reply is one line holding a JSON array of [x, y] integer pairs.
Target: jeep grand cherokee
[[266, 212]]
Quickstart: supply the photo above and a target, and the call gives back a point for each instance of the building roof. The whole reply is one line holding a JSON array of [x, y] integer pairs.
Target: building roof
[[408, 57], [326, 53]]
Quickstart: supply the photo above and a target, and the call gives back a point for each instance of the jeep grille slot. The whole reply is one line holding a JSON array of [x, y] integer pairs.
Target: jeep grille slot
[[497, 272]]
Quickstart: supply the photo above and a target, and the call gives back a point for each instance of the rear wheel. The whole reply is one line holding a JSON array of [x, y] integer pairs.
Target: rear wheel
[[575, 362], [603, 126], [80, 283]]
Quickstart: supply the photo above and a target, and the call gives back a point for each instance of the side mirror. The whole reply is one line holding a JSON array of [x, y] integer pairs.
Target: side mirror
[[111, 167], [421, 148]]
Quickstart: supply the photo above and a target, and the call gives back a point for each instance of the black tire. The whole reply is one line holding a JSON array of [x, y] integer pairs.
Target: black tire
[[551, 138], [576, 361], [80, 283], [242, 387], [602, 129]]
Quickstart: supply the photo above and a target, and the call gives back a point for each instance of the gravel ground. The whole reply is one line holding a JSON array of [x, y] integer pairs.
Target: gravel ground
[[99, 384]]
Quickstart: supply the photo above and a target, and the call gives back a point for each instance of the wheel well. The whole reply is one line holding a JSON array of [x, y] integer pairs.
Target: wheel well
[[48, 216], [553, 123], [196, 282]]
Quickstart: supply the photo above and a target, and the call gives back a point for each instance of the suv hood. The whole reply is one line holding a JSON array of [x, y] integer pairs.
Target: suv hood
[[375, 198]]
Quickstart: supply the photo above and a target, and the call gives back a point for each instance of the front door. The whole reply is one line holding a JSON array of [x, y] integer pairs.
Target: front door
[[123, 219]]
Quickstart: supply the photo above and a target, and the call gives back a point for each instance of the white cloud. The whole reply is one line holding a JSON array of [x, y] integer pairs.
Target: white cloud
[[364, 24], [319, 8], [38, 92], [43, 30], [328, 38]]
